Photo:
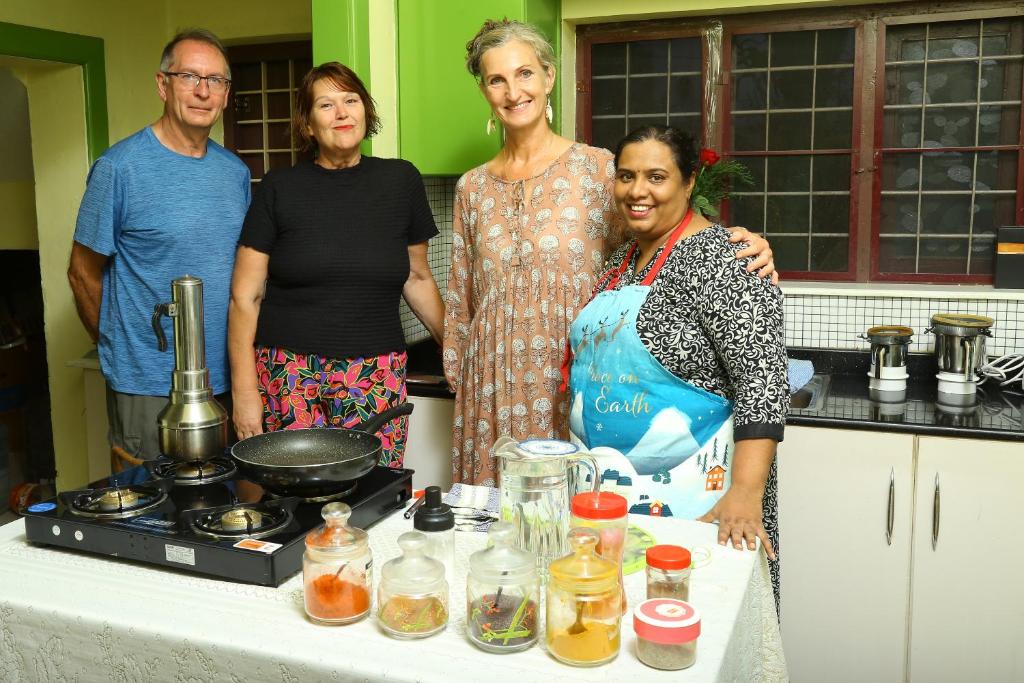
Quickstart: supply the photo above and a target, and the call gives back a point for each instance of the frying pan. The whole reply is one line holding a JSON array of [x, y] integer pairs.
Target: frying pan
[[316, 462]]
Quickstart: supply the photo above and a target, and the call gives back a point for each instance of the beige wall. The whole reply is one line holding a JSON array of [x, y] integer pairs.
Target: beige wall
[[133, 33]]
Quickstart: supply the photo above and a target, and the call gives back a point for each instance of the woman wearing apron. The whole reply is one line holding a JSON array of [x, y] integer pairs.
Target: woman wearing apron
[[678, 377]]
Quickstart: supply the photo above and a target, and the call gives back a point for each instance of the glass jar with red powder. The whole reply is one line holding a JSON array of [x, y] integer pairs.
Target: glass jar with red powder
[[337, 569]]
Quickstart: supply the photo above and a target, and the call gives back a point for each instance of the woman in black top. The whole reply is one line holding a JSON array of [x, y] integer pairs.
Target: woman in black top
[[326, 250]]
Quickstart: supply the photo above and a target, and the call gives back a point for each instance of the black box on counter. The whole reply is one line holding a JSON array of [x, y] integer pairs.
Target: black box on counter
[[1009, 257]]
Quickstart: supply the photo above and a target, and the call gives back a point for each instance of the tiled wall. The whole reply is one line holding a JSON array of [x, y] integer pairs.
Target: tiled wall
[[827, 321]]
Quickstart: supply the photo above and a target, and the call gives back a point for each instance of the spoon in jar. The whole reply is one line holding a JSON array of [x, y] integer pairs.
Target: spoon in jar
[[577, 626]]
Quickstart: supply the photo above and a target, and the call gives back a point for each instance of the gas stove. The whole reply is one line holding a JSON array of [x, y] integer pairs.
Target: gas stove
[[202, 527]]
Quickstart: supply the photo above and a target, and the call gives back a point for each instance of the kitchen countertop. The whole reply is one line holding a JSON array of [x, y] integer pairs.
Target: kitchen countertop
[[75, 616], [997, 414]]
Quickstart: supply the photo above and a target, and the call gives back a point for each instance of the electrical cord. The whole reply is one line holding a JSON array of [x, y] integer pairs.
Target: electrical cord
[[1008, 369]]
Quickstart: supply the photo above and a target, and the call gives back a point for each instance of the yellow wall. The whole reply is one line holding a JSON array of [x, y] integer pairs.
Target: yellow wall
[[18, 223], [133, 33], [576, 12]]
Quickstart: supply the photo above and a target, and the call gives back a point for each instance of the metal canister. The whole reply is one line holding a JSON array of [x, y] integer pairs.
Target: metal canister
[[960, 342], [889, 348]]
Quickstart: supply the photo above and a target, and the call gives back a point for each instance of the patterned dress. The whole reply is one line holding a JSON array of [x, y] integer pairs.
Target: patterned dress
[[524, 258]]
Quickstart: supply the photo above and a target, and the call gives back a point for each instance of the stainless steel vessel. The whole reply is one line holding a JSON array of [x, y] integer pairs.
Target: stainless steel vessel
[[193, 425], [960, 342], [889, 347]]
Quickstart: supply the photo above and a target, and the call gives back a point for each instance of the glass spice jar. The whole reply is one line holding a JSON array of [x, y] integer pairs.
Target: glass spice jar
[[666, 633], [605, 513], [337, 569], [668, 572], [584, 604], [412, 599], [502, 594]]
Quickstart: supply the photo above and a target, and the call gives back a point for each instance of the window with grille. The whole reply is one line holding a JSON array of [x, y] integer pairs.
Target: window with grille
[[885, 142], [257, 121]]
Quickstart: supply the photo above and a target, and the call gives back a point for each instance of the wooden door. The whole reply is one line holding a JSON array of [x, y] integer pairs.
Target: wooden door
[[967, 606], [845, 587]]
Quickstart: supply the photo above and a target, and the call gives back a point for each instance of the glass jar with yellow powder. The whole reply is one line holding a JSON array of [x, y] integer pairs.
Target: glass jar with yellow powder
[[584, 604]]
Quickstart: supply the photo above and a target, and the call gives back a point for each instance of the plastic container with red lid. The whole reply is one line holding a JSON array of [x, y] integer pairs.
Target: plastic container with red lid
[[666, 633], [668, 572], [607, 514]]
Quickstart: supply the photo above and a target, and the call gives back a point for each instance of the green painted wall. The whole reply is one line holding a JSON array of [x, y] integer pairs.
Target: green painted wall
[[341, 33]]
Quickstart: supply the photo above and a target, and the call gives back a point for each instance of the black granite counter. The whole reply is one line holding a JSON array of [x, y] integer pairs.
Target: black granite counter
[[425, 372], [995, 414]]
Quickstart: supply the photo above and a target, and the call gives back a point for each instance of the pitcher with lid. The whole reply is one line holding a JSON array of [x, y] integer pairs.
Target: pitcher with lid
[[538, 478]]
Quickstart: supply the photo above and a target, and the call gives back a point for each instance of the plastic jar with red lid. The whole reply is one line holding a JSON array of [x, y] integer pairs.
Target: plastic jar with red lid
[[666, 633], [607, 514], [668, 572]]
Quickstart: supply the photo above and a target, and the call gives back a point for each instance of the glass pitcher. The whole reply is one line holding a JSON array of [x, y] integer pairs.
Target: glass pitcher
[[538, 479]]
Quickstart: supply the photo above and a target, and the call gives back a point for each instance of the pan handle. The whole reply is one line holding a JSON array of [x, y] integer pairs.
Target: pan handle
[[374, 423]]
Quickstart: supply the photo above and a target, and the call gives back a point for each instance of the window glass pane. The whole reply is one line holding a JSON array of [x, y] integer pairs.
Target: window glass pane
[[792, 89], [897, 255], [947, 171], [901, 172], [898, 215], [648, 56], [904, 43], [280, 160], [607, 59], [790, 252], [904, 84], [834, 88], [277, 74], [608, 132], [788, 213], [949, 126], [246, 77], [748, 132], [248, 107], [648, 95], [901, 128], [685, 94], [748, 211], [1000, 80], [254, 162], [830, 254], [982, 253], [952, 82], [943, 256], [1001, 37], [832, 172], [830, 213], [945, 214], [993, 211], [756, 166], [996, 171], [279, 136], [688, 124], [999, 125], [832, 129], [750, 51], [609, 96], [789, 131], [793, 48], [789, 174], [955, 39], [836, 46], [279, 105], [686, 54], [749, 91], [635, 122]]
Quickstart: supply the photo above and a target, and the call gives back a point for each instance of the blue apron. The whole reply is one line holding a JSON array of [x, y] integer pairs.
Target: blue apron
[[663, 443]]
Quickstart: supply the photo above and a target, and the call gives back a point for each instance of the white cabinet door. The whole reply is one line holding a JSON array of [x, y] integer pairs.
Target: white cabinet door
[[967, 609], [428, 450], [845, 587]]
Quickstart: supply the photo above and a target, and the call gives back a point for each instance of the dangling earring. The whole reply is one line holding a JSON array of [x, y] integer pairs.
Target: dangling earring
[[490, 125], [548, 112]]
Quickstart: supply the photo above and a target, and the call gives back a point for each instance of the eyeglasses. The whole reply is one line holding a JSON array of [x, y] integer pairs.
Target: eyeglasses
[[217, 84]]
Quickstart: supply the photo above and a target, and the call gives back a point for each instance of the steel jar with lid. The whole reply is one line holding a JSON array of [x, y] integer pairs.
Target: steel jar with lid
[[960, 342], [666, 633], [337, 569]]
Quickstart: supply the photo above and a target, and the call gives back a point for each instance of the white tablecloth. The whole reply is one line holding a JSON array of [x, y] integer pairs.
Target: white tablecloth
[[67, 616]]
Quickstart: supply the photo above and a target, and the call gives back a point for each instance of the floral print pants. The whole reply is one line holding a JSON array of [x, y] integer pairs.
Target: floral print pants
[[305, 390]]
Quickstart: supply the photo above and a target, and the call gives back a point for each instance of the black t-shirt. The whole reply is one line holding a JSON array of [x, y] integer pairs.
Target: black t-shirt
[[338, 245]]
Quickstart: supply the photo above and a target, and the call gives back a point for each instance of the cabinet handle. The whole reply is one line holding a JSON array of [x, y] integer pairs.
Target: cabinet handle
[[892, 507], [936, 503]]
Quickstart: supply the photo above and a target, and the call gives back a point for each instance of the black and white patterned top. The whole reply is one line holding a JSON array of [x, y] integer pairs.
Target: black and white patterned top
[[711, 323]]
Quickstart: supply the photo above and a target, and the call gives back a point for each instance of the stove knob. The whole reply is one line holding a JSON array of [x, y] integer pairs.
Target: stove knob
[[78, 536], [55, 529]]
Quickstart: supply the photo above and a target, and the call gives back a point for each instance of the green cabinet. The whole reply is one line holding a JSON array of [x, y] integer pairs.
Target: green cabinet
[[442, 114]]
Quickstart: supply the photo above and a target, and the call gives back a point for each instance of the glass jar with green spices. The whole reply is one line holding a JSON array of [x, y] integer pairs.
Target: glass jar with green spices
[[502, 594]]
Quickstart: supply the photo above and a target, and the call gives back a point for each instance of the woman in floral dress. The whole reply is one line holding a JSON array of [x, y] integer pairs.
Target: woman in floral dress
[[531, 228]]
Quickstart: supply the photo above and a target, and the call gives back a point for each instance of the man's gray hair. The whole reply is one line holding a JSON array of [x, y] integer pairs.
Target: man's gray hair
[[200, 35]]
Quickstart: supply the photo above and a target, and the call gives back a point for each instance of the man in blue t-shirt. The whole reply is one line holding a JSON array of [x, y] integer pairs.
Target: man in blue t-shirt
[[162, 203]]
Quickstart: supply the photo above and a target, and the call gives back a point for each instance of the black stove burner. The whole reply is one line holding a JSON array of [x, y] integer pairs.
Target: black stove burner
[[196, 473], [134, 515], [242, 520], [115, 502], [321, 499]]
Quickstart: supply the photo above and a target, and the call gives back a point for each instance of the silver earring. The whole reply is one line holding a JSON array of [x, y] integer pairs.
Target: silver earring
[[548, 112], [490, 126]]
